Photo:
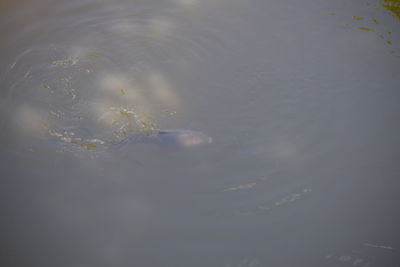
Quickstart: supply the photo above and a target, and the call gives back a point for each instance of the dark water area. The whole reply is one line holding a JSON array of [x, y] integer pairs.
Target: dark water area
[[300, 98]]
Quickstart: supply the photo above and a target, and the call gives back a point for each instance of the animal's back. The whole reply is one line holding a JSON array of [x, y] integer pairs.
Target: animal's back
[[177, 138]]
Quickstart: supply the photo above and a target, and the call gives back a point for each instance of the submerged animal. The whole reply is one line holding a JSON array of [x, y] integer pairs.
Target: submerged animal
[[177, 138]]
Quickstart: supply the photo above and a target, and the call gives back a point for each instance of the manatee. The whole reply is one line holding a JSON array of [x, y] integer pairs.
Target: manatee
[[175, 138]]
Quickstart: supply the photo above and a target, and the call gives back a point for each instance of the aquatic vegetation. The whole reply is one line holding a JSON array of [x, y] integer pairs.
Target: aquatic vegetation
[[358, 18], [87, 106], [373, 25], [365, 29], [122, 91], [66, 62], [392, 6], [93, 55], [69, 137]]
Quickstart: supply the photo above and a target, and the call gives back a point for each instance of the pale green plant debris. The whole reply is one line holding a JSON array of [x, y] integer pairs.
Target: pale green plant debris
[[391, 5], [365, 29], [70, 61], [93, 55], [89, 146], [358, 18], [116, 121], [124, 113]]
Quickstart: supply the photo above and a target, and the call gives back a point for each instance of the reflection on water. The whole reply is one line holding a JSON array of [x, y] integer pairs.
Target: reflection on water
[[299, 113], [76, 98]]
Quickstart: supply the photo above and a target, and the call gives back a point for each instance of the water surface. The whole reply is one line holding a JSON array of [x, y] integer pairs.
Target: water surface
[[301, 104]]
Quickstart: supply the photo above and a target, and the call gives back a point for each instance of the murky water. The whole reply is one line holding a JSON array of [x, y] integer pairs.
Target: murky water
[[301, 99]]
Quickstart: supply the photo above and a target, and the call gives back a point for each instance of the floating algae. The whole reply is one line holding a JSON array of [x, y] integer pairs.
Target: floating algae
[[126, 120], [365, 29], [392, 6], [373, 25], [82, 118], [122, 91], [66, 62], [70, 137], [358, 18], [93, 56]]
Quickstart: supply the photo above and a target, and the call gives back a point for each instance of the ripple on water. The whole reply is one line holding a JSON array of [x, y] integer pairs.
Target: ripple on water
[[89, 67]]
